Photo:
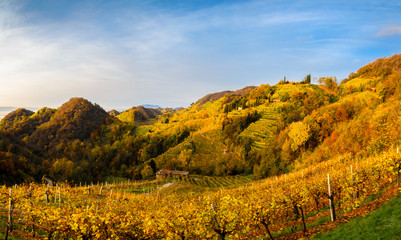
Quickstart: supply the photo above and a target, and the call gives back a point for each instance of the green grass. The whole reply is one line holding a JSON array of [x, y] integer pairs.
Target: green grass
[[321, 220], [3, 227], [246, 177], [383, 223], [112, 180], [2, 236], [373, 197]]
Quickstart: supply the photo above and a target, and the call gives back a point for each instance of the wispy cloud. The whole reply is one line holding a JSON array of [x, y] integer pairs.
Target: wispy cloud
[[389, 31], [150, 52], [146, 53]]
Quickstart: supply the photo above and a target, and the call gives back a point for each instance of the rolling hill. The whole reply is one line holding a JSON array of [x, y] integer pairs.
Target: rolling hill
[[139, 114], [291, 137], [75, 119], [218, 95], [264, 130]]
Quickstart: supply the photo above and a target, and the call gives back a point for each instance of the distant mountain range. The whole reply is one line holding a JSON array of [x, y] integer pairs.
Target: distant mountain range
[[151, 106], [5, 110]]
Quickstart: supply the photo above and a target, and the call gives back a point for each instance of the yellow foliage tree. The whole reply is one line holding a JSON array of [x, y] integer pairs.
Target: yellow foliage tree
[[299, 134], [185, 157], [147, 172], [61, 169]]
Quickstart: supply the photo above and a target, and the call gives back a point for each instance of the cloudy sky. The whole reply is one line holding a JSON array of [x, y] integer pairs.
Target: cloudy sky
[[124, 53]]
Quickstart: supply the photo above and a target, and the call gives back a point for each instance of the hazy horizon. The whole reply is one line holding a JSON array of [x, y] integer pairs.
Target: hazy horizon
[[6, 110]]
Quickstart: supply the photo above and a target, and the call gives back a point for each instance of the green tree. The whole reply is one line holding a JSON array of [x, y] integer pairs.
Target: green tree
[[307, 79]]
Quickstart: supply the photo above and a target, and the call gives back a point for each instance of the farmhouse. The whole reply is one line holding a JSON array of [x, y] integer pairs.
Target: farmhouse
[[163, 173]]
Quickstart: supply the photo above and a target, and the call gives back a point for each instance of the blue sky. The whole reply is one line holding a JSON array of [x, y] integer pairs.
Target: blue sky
[[124, 53]]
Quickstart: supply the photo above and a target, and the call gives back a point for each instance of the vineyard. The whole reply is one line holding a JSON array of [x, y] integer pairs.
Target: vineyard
[[215, 182], [262, 130], [271, 208]]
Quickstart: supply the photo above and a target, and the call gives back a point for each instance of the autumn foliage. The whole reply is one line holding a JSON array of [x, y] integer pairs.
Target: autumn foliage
[[266, 130]]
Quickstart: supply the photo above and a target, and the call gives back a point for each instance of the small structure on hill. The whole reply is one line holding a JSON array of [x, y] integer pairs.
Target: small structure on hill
[[276, 100], [163, 173], [48, 181]]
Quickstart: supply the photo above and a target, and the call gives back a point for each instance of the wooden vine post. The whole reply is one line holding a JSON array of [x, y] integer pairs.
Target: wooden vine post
[[10, 214], [331, 202], [398, 169], [101, 188], [353, 183], [47, 196], [217, 229], [59, 196]]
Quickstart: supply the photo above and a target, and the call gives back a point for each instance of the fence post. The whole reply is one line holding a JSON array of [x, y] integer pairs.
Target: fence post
[[10, 212], [331, 204], [353, 184], [59, 196], [47, 196], [398, 171], [101, 188]]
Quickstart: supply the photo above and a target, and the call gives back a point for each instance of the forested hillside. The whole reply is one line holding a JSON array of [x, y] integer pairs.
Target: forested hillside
[[265, 131]]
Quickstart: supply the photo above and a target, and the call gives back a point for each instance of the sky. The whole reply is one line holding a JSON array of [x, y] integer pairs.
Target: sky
[[124, 53]]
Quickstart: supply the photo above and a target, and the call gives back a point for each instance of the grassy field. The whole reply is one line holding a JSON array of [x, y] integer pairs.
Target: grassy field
[[383, 223]]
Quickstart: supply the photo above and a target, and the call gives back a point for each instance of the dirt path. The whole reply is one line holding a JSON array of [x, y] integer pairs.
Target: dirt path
[[167, 185]]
